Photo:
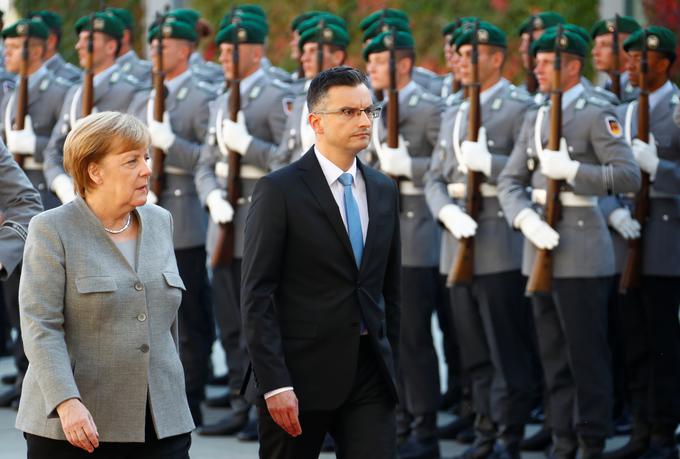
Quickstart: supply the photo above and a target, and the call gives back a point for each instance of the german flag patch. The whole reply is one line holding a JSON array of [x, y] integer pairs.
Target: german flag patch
[[613, 126]]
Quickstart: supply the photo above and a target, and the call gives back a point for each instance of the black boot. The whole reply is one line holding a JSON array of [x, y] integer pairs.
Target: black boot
[[637, 444], [539, 441], [564, 446], [662, 444], [235, 421], [465, 420], [422, 443], [404, 420], [590, 446], [509, 438], [485, 439]]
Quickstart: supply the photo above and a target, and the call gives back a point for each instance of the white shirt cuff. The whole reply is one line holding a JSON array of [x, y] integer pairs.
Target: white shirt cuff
[[274, 392]]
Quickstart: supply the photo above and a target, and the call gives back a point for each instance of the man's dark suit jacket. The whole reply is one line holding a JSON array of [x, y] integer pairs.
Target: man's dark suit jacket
[[302, 293]]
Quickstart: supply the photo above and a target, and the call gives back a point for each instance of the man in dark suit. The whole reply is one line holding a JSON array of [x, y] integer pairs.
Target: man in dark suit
[[320, 288]]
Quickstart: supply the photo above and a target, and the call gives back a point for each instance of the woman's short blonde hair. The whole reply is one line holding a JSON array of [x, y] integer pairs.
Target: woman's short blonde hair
[[96, 136]]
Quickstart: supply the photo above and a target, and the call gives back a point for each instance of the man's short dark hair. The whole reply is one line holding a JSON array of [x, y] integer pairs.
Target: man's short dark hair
[[337, 76]]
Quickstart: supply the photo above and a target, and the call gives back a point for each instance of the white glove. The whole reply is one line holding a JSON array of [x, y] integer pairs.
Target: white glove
[[151, 197], [22, 142], [395, 161], [476, 156], [235, 134], [458, 222], [536, 230], [307, 137], [624, 224], [161, 133], [557, 165], [63, 188], [645, 155], [220, 209]]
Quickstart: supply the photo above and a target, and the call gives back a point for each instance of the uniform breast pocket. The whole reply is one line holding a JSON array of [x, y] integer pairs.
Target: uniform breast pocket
[[95, 291]]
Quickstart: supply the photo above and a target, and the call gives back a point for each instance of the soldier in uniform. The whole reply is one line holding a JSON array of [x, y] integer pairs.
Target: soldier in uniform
[[54, 61], [127, 60], [255, 137], [113, 90], [419, 119], [531, 29], [180, 135], [571, 320], [492, 317], [603, 53], [650, 314], [298, 135], [45, 95]]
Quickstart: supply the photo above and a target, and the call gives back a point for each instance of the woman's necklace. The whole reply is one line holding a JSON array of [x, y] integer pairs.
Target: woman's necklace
[[126, 226]]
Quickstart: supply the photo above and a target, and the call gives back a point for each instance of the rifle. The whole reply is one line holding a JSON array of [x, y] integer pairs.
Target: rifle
[[615, 74], [632, 272], [463, 269], [88, 80], [158, 155], [22, 95], [531, 81], [224, 248], [540, 280]]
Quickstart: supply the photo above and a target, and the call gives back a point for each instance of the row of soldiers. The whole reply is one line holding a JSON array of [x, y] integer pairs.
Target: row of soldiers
[[506, 352]]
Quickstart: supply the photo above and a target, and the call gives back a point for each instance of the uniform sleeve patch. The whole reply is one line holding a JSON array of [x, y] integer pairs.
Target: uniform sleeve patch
[[613, 126]]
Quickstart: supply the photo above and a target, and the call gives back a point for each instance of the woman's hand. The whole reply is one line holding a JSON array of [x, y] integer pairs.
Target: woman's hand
[[78, 425]]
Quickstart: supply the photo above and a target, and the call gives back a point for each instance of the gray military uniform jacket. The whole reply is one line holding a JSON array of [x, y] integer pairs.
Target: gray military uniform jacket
[[46, 93], [186, 105], [209, 72], [276, 73], [19, 202], [498, 247], [419, 122], [114, 92], [131, 64], [661, 229], [99, 330], [291, 148], [69, 72], [606, 166], [263, 104]]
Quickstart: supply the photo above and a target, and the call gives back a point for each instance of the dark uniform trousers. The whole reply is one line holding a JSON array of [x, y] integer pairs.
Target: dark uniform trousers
[[493, 324], [652, 349], [572, 336], [456, 377], [196, 326], [227, 300], [363, 426], [176, 447], [10, 290]]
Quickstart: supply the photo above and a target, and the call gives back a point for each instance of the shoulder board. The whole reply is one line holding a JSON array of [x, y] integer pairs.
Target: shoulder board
[[675, 100], [429, 97], [424, 71], [208, 87], [516, 93], [61, 81], [280, 84], [600, 102]]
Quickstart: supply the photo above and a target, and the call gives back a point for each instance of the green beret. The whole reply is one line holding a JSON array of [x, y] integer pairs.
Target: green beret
[[255, 10], [123, 16], [331, 34], [385, 25], [578, 30], [327, 18], [177, 29], [234, 16], [487, 34], [295, 24], [623, 24], [570, 42], [382, 14], [659, 39], [248, 32], [541, 21], [451, 27], [51, 19], [464, 26], [183, 14], [27, 28], [103, 22], [402, 40]]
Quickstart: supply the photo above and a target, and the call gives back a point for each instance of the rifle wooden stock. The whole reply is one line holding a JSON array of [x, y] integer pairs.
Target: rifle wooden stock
[[158, 155], [632, 270], [22, 98], [88, 79], [615, 74], [531, 81], [223, 254], [540, 280]]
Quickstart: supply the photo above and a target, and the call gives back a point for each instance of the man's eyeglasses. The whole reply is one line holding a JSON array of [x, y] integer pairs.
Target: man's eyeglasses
[[350, 113]]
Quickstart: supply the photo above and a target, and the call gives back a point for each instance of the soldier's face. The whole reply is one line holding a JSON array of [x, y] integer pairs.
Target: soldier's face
[[603, 53], [657, 68], [488, 67], [309, 59], [524, 46], [176, 53], [544, 70], [448, 50], [294, 50], [101, 47], [378, 69], [248, 59], [13, 49]]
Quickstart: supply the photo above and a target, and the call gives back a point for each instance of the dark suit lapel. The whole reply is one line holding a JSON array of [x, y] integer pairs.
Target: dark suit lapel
[[373, 201], [316, 181]]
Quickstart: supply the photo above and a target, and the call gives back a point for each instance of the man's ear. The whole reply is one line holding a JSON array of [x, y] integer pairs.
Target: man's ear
[[315, 123]]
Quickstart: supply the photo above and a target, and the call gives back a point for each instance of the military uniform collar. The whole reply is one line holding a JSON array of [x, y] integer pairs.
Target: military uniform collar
[[196, 58], [54, 61], [571, 94], [664, 92], [105, 75], [307, 83], [484, 96], [407, 91], [37, 76], [248, 82], [130, 56], [174, 84]]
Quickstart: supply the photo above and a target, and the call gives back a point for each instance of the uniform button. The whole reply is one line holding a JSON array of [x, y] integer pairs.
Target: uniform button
[[177, 192], [490, 143], [41, 186], [141, 317], [138, 286], [409, 214], [570, 149], [665, 218], [579, 223], [144, 348], [500, 214]]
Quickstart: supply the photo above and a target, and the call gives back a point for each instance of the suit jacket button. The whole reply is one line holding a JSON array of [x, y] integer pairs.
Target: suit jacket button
[[141, 317], [665, 218], [139, 286], [144, 348]]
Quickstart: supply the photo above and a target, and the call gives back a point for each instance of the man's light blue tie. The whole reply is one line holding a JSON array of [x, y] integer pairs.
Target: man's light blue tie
[[353, 220]]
